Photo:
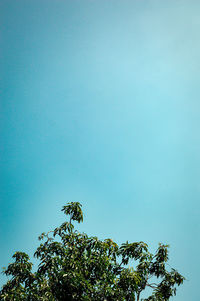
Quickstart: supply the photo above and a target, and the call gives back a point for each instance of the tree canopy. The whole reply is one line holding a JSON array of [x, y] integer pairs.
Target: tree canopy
[[73, 266]]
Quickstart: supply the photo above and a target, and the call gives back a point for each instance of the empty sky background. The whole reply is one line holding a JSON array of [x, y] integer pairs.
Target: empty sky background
[[100, 104]]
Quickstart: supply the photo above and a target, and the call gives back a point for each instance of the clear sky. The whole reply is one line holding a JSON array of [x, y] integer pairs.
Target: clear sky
[[100, 104]]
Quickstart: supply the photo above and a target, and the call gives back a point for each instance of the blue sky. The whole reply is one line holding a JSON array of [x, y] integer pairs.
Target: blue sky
[[100, 104]]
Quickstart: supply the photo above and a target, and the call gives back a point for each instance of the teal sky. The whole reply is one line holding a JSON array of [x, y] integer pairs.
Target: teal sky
[[100, 104]]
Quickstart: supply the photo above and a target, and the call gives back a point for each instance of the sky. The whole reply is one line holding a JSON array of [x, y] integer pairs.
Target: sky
[[100, 104]]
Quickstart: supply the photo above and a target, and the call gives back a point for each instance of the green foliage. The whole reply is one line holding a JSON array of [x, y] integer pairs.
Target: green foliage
[[78, 267]]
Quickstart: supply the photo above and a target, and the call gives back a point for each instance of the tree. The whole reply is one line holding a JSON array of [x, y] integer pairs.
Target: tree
[[79, 267]]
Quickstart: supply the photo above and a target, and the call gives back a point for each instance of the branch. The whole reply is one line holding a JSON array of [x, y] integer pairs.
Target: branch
[[152, 285]]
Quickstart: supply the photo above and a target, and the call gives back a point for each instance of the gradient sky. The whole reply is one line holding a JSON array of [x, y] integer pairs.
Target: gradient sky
[[100, 104]]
